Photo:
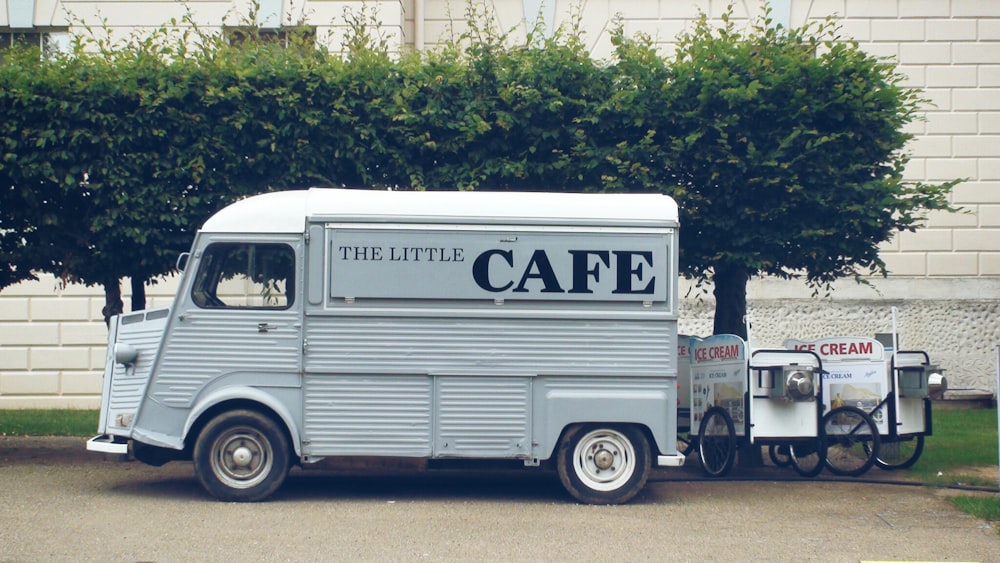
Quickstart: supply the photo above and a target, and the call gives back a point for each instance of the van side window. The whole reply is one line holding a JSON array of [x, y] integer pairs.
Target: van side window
[[245, 275]]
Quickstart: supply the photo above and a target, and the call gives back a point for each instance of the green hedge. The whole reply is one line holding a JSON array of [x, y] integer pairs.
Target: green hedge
[[784, 148]]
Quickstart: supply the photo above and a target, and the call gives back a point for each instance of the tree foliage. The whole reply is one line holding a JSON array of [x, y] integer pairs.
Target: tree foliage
[[784, 148], [789, 148]]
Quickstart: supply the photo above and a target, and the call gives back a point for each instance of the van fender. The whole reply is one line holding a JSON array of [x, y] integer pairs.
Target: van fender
[[244, 393], [648, 408]]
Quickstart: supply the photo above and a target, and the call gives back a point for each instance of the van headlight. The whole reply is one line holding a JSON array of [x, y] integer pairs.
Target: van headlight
[[125, 354]]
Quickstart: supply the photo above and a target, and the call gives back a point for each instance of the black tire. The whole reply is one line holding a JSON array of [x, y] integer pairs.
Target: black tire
[[808, 457], [852, 441], [779, 455], [603, 463], [242, 456], [900, 453], [717, 442]]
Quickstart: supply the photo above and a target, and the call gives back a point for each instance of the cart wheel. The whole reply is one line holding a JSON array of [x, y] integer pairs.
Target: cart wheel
[[603, 464], [717, 442], [807, 457], [852, 441], [900, 453], [779, 455]]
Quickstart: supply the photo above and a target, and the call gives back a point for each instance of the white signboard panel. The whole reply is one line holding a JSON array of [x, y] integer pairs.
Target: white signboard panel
[[424, 263], [718, 377], [857, 374]]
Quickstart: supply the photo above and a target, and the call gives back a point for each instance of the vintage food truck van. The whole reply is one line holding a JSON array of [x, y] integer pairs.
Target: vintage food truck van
[[333, 323]]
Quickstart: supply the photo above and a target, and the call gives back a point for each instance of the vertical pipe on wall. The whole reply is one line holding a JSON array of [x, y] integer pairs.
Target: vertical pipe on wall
[[269, 14], [539, 12], [21, 14], [418, 25], [781, 13]]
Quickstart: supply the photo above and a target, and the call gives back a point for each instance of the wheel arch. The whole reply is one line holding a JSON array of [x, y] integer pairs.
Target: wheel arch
[[559, 410], [572, 427], [249, 398]]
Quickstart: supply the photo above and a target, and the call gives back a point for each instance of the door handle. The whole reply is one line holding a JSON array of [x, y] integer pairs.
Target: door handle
[[264, 327]]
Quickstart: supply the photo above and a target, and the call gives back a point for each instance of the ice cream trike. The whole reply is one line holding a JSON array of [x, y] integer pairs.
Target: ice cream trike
[[841, 403]]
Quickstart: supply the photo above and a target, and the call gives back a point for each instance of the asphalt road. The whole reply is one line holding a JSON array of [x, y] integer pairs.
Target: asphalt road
[[61, 503]]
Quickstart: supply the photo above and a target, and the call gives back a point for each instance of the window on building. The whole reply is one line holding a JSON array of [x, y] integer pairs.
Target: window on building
[[283, 36], [47, 42]]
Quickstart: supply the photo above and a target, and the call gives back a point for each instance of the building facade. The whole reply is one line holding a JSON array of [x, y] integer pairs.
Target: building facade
[[944, 281]]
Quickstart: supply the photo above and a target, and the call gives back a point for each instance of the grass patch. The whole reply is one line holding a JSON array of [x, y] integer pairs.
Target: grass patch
[[42, 422], [962, 450], [987, 508]]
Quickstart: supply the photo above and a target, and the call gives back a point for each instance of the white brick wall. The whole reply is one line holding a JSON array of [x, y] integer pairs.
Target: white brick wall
[[52, 340], [53, 343]]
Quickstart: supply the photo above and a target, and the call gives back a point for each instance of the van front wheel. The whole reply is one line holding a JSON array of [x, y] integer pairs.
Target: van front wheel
[[600, 464], [242, 456]]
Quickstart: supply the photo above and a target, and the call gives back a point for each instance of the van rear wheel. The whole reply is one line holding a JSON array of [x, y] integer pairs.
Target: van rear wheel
[[242, 456], [603, 464]]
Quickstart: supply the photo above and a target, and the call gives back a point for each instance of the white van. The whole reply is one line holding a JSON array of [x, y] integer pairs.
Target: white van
[[332, 323]]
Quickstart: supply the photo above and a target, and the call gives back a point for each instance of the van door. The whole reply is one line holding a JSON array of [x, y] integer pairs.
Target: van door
[[240, 319]]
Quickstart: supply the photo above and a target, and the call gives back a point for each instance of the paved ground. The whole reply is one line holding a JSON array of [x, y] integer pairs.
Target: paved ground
[[61, 503]]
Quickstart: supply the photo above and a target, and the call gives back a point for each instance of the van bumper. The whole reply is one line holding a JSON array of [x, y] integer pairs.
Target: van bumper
[[108, 444], [675, 460]]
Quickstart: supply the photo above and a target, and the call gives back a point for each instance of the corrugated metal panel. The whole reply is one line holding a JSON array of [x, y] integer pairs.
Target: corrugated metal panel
[[342, 344], [368, 415], [607, 386], [483, 416], [482, 377], [208, 344], [128, 385]]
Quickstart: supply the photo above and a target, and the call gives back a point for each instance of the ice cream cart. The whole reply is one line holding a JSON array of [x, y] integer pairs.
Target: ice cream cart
[[774, 399], [855, 379], [718, 384], [892, 389], [786, 406], [915, 379]]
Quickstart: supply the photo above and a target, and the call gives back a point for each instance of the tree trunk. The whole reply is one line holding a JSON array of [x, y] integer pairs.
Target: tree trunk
[[730, 318], [113, 304], [730, 300], [138, 294]]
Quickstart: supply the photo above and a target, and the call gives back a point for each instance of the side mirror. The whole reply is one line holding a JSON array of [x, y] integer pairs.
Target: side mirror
[[182, 261]]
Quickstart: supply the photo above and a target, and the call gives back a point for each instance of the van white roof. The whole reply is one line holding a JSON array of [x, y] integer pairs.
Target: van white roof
[[288, 211]]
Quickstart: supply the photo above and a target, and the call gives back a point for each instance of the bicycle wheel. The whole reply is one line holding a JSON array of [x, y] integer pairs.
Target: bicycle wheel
[[808, 457], [852, 441], [717, 442], [900, 453], [779, 455]]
